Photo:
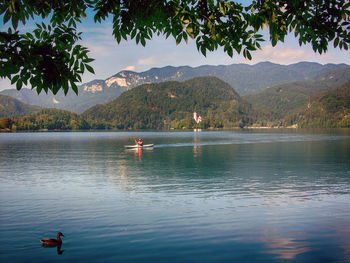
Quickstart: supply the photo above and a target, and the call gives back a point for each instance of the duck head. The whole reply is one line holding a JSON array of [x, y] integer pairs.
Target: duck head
[[59, 234]]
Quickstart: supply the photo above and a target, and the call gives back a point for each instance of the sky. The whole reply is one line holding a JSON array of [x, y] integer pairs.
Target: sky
[[111, 57]]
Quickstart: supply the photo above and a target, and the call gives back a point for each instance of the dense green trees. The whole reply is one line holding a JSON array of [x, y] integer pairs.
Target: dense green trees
[[51, 119], [330, 109], [49, 57], [275, 103], [6, 124]]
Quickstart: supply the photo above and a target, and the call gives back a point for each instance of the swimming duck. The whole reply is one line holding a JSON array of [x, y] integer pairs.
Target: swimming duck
[[53, 241]]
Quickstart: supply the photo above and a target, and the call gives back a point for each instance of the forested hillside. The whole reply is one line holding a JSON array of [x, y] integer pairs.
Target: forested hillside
[[171, 105], [330, 109], [276, 103], [10, 107]]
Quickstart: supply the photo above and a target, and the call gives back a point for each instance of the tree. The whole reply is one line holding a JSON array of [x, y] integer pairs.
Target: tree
[[6, 123], [49, 58]]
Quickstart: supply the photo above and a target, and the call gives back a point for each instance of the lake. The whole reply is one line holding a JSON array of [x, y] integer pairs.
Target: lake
[[216, 196]]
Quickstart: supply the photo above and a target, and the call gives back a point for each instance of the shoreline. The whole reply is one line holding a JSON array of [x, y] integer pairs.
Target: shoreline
[[171, 130]]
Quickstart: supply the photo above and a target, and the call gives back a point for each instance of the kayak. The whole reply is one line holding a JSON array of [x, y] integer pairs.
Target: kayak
[[138, 146]]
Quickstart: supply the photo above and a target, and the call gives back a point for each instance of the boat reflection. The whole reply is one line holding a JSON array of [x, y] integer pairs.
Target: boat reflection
[[138, 153]]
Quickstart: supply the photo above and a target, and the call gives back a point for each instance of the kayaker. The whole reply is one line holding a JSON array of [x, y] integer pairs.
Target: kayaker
[[139, 142]]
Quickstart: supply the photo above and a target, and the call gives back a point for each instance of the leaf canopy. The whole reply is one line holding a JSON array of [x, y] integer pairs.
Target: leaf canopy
[[49, 58]]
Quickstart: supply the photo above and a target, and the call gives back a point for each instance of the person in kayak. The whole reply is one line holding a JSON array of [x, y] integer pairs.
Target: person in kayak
[[139, 142]]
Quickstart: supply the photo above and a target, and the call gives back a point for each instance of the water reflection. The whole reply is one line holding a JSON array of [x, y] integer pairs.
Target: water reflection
[[121, 178], [138, 153], [58, 248], [197, 148], [284, 247], [343, 234]]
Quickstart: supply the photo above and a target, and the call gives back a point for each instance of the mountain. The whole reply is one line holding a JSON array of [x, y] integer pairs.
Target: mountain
[[172, 104], [245, 79], [280, 101], [330, 109], [89, 95], [10, 107]]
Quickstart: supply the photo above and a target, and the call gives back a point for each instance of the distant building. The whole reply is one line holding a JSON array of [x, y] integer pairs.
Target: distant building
[[197, 118]]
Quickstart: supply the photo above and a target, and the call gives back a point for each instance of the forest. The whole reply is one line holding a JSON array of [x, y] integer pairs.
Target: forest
[[46, 119], [330, 109]]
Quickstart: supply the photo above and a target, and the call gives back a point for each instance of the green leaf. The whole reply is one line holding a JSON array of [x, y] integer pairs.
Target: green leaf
[[184, 35], [90, 69], [133, 33], [82, 68], [230, 51], [33, 82], [204, 50], [65, 87], [249, 56], [117, 36], [124, 35], [37, 33], [15, 22], [336, 42], [274, 41], [14, 79], [178, 39], [143, 41], [38, 89], [71, 61], [88, 60], [74, 87], [19, 84], [6, 17]]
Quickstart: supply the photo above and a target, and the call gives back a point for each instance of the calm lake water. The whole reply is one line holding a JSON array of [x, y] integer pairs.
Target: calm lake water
[[220, 196]]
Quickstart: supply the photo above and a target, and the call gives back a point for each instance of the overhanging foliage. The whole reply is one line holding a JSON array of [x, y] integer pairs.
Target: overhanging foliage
[[49, 58]]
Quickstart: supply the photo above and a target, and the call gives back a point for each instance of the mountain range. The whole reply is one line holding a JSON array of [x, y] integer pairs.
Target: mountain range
[[245, 79], [321, 101]]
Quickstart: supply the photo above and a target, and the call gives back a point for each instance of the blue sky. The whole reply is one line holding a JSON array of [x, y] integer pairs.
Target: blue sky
[[111, 57]]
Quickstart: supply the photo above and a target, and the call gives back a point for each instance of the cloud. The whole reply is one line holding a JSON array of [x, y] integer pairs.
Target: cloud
[[131, 68], [280, 54], [283, 53], [97, 50]]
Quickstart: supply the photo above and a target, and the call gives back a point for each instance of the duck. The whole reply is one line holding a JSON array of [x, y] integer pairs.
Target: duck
[[53, 241]]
